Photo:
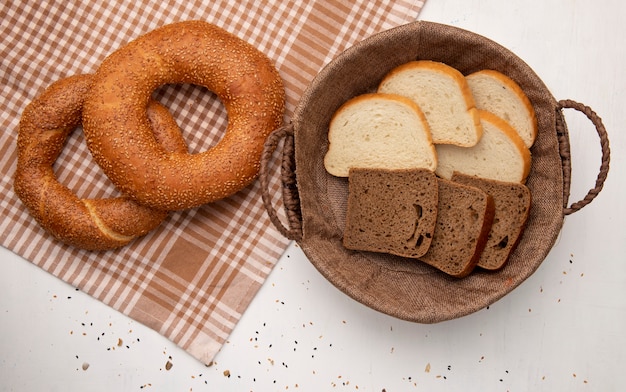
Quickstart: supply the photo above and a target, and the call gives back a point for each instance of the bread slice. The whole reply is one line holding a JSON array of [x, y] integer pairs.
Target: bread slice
[[443, 95], [499, 155], [391, 211], [497, 93], [379, 131], [512, 207], [464, 218]]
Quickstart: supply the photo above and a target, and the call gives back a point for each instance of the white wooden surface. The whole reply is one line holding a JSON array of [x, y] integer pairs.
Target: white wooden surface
[[563, 329]]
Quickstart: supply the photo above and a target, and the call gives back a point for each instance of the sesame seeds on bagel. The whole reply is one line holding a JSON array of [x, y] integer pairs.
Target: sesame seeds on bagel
[[195, 52], [92, 224]]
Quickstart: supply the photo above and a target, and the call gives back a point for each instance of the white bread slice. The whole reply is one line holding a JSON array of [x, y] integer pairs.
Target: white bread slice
[[499, 155], [443, 95], [500, 95], [379, 131]]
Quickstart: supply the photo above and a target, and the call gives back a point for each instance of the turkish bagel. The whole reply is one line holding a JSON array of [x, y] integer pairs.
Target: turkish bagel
[[119, 136], [92, 224]]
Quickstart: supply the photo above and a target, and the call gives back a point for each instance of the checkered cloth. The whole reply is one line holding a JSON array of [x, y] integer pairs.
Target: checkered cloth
[[193, 277]]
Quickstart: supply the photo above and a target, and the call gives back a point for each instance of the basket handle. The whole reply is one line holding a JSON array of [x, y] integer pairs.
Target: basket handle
[[604, 144], [291, 197]]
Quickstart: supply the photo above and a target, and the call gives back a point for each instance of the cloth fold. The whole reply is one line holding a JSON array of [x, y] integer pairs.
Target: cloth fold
[[192, 278]]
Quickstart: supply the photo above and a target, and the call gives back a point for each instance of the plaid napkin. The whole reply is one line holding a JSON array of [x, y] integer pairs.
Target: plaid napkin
[[193, 277]]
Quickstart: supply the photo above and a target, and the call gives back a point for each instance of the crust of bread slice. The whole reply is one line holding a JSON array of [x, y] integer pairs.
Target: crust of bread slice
[[497, 93], [499, 155], [379, 131], [464, 219], [443, 95], [391, 211], [512, 207]]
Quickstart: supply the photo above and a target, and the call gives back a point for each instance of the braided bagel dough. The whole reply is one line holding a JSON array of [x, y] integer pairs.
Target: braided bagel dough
[[192, 52], [93, 224]]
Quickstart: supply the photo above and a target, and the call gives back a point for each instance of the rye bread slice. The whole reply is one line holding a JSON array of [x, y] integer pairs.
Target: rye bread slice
[[391, 211], [464, 219], [512, 207]]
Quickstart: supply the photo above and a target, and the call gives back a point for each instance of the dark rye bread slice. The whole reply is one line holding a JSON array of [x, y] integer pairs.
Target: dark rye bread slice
[[391, 211], [464, 220], [512, 207]]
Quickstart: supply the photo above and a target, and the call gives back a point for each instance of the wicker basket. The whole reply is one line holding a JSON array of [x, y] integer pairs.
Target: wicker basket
[[315, 201]]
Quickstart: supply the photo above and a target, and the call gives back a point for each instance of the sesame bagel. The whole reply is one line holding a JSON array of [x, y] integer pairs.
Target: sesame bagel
[[93, 224], [194, 52]]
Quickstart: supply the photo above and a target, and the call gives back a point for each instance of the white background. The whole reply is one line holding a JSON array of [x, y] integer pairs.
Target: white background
[[561, 330]]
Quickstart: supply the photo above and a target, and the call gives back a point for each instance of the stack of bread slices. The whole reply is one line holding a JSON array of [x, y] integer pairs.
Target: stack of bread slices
[[436, 163]]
